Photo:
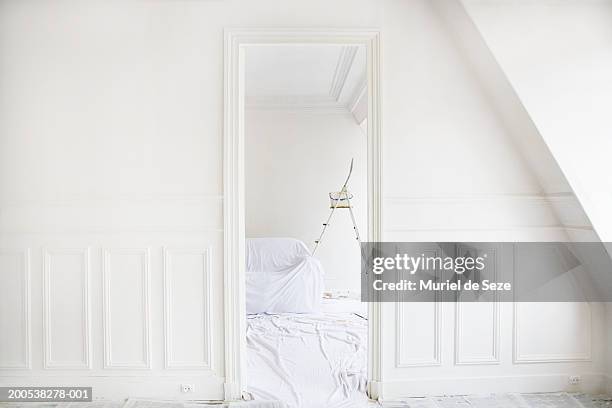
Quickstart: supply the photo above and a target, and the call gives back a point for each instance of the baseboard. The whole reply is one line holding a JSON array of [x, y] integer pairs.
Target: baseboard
[[418, 387], [115, 388]]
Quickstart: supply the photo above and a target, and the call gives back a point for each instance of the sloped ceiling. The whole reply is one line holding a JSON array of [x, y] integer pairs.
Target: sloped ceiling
[[557, 58], [544, 148]]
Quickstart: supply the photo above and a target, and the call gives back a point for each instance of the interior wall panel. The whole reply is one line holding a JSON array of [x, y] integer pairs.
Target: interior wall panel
[[419, 327], [66, 308], [533, 347], [126, 308], [187, 308], [419, 334], [566, 336], [552, 332], [478, 324], [15, 341]]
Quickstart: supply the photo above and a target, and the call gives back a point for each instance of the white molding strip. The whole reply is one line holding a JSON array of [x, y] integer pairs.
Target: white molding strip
[[343, 67], [555, 211], [169, 361], [360, 95], [92, 199], [233, 175], [492, 228], [48, 362], [26, 335], [315, 104], [431, 385], [480, 196], [109, 363]]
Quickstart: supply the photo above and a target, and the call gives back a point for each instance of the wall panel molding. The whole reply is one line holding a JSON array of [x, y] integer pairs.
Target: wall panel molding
[[521, 357], [401, 341], [26, 325], [494, 357], [48, 361], [169, 328], [110, 361], [96, 200], [558, 196]]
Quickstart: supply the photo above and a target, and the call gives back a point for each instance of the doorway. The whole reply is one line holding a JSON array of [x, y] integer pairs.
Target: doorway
[[237, 45]]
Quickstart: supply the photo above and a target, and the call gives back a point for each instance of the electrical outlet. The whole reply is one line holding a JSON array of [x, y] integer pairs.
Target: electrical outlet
[[186, 388], [574, 379]]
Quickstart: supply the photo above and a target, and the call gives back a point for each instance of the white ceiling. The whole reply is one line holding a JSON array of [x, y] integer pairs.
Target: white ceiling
[[305, 76]]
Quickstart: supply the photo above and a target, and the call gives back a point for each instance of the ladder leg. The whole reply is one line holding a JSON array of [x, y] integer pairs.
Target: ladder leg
[[318, 241], [354, 222], [364, 258]]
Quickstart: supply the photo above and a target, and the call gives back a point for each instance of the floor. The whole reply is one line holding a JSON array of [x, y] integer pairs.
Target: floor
[[548, 400]]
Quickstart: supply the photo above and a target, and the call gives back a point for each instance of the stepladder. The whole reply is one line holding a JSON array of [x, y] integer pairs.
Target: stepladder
[[340, 200]]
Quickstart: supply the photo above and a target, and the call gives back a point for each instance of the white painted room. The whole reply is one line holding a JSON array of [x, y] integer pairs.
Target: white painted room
[[192, 193]]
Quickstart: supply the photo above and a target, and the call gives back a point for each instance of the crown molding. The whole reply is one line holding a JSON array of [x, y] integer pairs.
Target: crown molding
[[331, 102], [343, 68], [358, 103], [295, 102]]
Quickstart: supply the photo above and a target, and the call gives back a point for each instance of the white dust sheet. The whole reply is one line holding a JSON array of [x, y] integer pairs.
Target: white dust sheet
[[308, 360]]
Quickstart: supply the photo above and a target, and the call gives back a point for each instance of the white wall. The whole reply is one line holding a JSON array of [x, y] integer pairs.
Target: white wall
[[294, 158], [111, 143], [560, 68], [453, 170], [111, 119], [561, 75]]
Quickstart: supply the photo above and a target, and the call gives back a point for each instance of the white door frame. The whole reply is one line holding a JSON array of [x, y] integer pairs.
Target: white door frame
[[233, 185]]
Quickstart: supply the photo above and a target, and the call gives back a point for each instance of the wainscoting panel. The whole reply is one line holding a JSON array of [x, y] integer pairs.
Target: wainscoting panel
[[15, 341], [419, 328], [126, 309], [187, 308], [477, 324], [419, 334], [477, 333], [552, 332], [471, 347], [66, 308]]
